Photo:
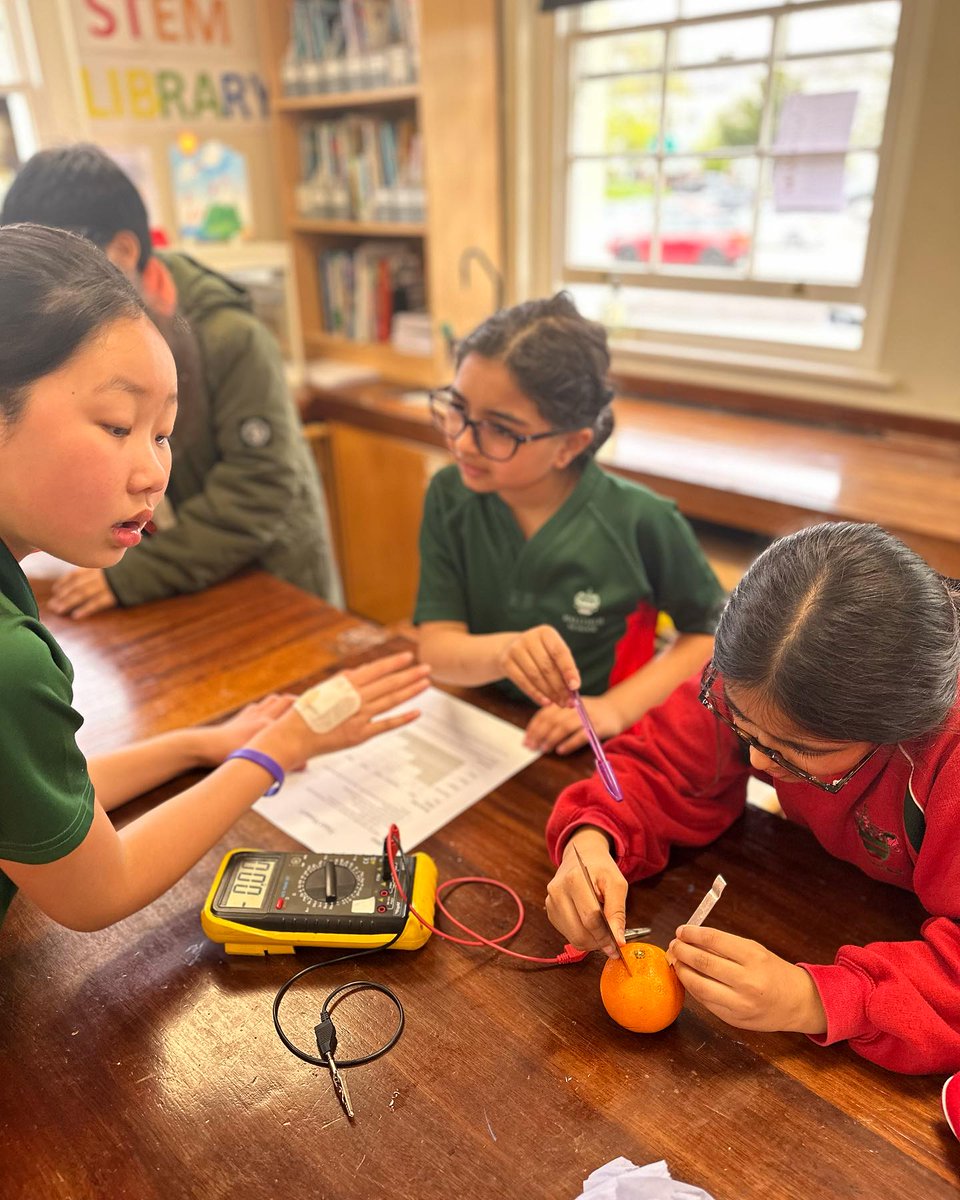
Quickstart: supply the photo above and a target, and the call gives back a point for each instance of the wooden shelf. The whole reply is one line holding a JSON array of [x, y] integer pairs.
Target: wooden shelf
[[361, 98], [398, 229], [410, 369], [456, 104]]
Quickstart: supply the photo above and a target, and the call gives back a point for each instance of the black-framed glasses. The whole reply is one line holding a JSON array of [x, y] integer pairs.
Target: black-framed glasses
[[494, 441], [718, 705]]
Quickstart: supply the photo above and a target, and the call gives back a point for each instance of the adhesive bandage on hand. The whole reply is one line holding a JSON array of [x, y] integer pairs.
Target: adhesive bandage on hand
[[328, 704]]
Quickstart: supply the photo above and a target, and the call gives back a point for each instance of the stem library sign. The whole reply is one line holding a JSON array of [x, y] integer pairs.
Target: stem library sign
[[170, 61]]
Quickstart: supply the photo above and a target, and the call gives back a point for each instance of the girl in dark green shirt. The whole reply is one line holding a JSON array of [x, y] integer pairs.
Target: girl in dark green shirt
[[87, 404], [537, 566]]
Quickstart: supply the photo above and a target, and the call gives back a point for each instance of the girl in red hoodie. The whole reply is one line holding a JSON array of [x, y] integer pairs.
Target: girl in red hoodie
[[835, 678]]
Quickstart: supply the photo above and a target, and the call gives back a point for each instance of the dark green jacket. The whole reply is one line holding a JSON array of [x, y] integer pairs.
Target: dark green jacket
[[244, 486]]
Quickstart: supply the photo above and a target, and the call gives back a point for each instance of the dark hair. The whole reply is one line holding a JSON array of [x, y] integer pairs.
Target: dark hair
[[848, 633], [82, 189], [559, 359], [57, 291]]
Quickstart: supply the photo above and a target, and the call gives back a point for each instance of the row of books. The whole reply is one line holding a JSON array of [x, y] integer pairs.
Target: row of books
[[361, 168], [345, 45], [363, 290]]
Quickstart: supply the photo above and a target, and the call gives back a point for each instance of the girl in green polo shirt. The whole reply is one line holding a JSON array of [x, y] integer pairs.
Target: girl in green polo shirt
[[87, 403], [538, 567]]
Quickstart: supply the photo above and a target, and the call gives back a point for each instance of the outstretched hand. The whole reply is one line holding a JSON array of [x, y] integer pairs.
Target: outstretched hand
[[745, 984], [382, 685], [221, 740]]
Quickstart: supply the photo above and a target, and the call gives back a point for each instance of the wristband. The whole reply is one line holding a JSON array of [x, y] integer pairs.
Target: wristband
[[270, 765]]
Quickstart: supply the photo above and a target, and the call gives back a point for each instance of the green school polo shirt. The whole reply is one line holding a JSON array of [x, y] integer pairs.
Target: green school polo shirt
[[46, 797], [599, 570]]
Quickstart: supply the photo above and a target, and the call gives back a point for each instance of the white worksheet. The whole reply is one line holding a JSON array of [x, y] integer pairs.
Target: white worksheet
[[418, 777]]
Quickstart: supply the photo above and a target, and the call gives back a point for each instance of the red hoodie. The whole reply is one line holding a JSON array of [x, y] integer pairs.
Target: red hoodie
[[898, 820]]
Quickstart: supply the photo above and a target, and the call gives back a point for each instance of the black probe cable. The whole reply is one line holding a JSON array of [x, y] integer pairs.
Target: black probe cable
[[331, 1001]]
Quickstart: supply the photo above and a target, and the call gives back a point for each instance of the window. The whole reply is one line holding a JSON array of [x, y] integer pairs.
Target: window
[[720, 163], [18, 87]]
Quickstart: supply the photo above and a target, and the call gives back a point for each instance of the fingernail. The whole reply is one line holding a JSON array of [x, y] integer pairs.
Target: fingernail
[[680, 931], [611, 953]]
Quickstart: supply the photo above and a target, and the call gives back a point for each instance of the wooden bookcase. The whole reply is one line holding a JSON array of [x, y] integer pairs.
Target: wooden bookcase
[[456, 104]]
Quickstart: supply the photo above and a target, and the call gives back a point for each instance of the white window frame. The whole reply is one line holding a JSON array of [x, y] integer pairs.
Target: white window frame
[[537, 157], [24, 93]]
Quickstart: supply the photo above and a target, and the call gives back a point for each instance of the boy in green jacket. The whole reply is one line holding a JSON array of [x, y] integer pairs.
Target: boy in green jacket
[[244, 490]]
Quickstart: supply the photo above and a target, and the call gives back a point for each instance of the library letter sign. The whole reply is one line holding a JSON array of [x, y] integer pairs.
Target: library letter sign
[[170, 61]]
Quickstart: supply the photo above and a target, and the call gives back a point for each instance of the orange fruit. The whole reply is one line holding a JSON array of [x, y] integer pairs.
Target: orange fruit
[[645, 998]]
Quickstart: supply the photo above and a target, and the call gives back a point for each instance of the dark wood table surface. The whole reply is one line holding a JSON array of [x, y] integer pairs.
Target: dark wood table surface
[[142, 1062]]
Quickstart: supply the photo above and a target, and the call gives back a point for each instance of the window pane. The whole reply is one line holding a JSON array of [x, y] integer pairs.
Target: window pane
[[9, 71], [712, 110], [709, 8], [804, 245], [706, 212], [866, 74], [842, 28], [9, 159], [610, 216], [613, 14], [613, 115], [706, 314], [618, 53], [723, 41]]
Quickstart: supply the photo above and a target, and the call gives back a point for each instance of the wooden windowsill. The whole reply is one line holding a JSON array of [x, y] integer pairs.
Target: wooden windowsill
[[759, 474]]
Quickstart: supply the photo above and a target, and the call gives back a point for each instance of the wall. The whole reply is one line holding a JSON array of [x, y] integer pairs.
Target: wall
[[123, 44], [921, 346]]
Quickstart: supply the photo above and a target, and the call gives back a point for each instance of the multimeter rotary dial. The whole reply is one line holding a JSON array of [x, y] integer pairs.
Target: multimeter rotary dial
[[329, 883]]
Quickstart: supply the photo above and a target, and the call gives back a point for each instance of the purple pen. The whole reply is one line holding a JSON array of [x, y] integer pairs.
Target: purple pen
[[603, 766]]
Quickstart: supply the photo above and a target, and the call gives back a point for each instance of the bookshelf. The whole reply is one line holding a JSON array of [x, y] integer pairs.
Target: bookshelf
[[344, 100], [453, 105], [374, 229]]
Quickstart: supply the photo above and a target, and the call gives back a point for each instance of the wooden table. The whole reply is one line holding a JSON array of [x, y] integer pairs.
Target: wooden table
[[142, 1062]]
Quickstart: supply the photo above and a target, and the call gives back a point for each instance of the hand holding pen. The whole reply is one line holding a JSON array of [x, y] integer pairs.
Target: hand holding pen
[[539, 662]]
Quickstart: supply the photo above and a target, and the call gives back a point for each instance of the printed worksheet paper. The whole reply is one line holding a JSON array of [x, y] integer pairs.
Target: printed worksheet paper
[[419, 777]]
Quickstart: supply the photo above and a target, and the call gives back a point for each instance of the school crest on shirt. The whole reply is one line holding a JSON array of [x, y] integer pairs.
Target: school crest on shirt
[[586, 602], [878, 843], [586, 616]]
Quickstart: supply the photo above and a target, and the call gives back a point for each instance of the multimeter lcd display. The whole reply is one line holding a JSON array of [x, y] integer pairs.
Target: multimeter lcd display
[[249, 883], [307, 893]]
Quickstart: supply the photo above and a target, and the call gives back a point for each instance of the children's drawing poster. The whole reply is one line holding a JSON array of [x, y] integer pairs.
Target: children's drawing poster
[[210, 191], [150, 71]]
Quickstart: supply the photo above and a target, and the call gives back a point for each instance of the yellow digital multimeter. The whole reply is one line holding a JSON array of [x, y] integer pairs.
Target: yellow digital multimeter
[[266, 902]]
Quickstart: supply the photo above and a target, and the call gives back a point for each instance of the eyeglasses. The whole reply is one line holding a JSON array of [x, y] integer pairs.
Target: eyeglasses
[[493, 440], [718, 705]]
